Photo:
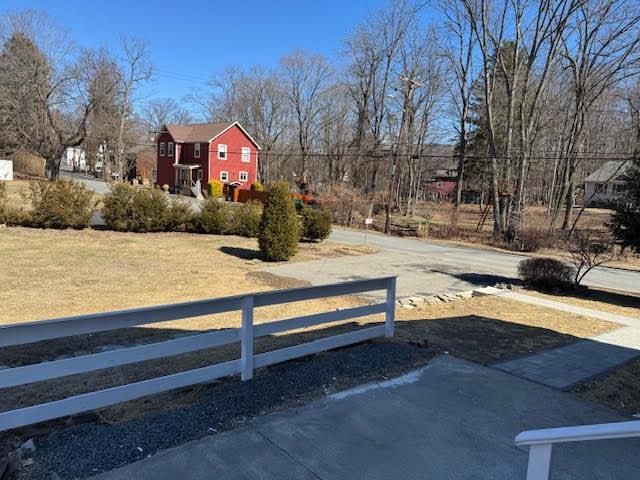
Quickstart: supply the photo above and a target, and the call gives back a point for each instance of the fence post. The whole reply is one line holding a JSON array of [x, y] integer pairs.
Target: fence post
[[391, 307], [539, 462], [246, 341]]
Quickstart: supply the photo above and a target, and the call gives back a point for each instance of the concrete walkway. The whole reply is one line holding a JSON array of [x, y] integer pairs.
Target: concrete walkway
[[566, 366], [450, 420]]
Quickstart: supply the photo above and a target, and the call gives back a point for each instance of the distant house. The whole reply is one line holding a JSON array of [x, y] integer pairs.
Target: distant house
[[73, 157], [442, 185], [605, 185], [201, 152]]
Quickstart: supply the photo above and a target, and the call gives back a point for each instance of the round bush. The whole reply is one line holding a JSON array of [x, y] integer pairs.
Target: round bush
[[135, 209], [279, 230], [316, 223], [246, 219], [214, 217], [257, 186], [546, 273], [215, 188], [60, 204]]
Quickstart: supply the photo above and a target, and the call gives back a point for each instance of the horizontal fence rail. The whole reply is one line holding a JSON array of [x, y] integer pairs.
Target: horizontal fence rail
[[30, 332], [541, 442]]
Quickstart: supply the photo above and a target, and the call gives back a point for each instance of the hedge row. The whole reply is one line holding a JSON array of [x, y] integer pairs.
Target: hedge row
[[68, 204], [59, 204]]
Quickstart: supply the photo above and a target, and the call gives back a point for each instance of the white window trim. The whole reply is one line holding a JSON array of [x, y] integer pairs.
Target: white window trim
[[161, 149], [196, 151], [226, 151], [170, 149], [248, 152], [225, 174], [246, 176]]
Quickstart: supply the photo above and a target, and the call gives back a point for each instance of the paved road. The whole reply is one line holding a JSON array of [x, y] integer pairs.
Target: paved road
[[92, 183], [470, 264], [450, 420]]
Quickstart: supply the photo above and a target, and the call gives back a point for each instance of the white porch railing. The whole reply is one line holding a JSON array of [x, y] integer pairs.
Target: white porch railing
[[541, 442], [24, 333]]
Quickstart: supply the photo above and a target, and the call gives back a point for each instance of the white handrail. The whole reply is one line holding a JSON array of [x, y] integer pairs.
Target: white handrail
[[541, 442]]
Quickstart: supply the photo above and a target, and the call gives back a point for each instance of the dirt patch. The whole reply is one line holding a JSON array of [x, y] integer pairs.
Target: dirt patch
[[277, 282], [619, 389]]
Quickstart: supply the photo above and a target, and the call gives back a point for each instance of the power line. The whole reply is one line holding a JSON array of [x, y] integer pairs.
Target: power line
[[594, 156]]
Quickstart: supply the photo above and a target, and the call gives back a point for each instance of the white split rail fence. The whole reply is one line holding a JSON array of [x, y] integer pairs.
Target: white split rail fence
[[25, 333], [541, 442]]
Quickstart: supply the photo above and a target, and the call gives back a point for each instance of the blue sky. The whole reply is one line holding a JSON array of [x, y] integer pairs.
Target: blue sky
[[192, 39]]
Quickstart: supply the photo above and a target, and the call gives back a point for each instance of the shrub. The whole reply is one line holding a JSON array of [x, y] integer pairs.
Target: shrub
[[316, 223], [215, 188], [257, 186], [60, 204], [533, 239], [279, 230], [134, 209], [246, 219], [179, 217], [546, 273], [214, 217]]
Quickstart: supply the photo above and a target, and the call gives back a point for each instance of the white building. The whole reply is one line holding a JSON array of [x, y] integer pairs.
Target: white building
[[607, 184], [73, 157], [6, 170]]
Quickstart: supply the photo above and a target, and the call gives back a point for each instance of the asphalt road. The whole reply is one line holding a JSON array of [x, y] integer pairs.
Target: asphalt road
[[472, 264]]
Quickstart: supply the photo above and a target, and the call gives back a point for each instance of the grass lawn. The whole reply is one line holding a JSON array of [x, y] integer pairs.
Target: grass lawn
[[619, 303], [619, 389], [57, 273]]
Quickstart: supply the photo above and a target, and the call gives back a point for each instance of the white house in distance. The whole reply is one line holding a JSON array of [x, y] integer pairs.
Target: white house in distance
[[606, 185], [6, 170], [73, 157]]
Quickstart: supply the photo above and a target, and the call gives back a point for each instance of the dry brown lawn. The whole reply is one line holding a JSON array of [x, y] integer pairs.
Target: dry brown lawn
[[618, 389], [619, 303], [53, 273], [489, 329]]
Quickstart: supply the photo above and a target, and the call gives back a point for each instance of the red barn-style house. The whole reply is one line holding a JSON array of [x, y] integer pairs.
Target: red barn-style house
[[206, 151]]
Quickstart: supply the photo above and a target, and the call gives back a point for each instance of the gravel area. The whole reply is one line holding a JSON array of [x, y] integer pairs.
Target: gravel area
[[87, 449]]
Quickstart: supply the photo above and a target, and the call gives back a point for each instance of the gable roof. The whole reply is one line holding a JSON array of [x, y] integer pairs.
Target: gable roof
[[609, 172], [203, 132]]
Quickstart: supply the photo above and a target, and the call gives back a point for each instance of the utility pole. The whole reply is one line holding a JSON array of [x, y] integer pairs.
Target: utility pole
[[411, 85]]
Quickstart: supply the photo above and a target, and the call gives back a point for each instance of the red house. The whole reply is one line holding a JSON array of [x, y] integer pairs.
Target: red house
[[442, 186], [206, 151]]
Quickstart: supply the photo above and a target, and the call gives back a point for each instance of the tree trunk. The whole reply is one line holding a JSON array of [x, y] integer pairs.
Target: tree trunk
[[52, 167]]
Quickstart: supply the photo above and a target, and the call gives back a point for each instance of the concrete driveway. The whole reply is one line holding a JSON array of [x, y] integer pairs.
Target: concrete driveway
[[450, 420], [425, 268]]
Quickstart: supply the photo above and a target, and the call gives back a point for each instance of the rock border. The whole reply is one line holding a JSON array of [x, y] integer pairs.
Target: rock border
[[409, 303]]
